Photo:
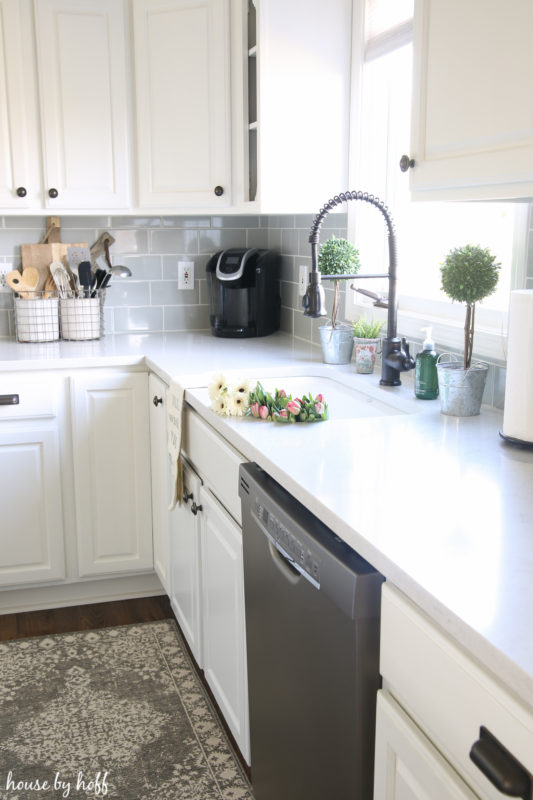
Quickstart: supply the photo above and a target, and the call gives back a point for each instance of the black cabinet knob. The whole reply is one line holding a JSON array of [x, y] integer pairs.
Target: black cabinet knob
[[186, 496], [406, 163], [157, 401], [21, 192], [195, 508], [53, 193], [219, 191]]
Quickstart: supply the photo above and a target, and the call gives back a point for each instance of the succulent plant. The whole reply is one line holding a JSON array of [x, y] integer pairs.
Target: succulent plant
[[468, 275], [364, 329]]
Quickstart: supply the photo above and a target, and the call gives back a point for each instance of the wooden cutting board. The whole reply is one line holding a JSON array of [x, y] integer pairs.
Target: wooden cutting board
[[41, 255]]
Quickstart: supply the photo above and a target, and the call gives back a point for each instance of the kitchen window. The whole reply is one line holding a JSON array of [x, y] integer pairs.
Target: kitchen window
[[426, 231]]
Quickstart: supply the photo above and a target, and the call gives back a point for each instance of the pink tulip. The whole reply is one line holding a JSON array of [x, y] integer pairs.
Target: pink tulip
[[254, 408], [282, 393], [263, 412], [319, 407], [319, 398], [294, 407], [283, 413]]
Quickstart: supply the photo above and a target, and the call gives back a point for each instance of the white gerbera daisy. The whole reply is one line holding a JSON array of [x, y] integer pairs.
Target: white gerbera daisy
[[220, 406], [237, 404], [217, 387], [243, 387]]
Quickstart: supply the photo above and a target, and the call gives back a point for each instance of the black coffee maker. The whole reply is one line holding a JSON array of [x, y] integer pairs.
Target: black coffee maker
[[244, 292]]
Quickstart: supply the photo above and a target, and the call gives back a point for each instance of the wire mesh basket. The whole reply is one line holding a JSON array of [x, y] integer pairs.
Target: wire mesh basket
[[45, 317], [82, 317], [36, 317]]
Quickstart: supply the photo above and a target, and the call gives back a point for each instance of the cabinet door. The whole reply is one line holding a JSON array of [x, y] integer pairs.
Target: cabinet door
[[19, 169], [83, 98], [157, 391], [472, 134], [111, 450], [186, 563], [224, 634], [31, 531], [407, 766], [182, 68]]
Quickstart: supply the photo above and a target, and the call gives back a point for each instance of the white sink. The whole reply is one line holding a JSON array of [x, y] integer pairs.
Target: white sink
[[343, 401]]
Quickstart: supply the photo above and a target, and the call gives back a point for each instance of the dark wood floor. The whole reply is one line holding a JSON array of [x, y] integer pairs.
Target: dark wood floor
[[79, 618]]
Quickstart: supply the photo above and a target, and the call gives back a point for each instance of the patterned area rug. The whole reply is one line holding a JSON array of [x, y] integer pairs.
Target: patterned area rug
[[115, 712]]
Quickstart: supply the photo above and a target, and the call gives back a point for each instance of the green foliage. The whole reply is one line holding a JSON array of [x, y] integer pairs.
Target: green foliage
[[469, 274], [338, 257], [364, 329]]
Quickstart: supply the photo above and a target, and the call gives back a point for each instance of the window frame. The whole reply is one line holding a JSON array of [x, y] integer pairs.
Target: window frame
[[446, 318]]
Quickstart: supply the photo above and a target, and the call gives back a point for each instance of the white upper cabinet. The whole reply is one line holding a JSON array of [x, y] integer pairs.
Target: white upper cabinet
[[298, 102], [81, 59], [20, 181], [472, 134], [182, 75]]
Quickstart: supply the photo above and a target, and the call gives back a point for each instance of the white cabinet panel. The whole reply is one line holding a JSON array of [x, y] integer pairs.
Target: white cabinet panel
[[182, 66], [407, 766], [472, 134], [82, 78], [224, 634], [19, 168], [111, 450], [31, 531], [186, 567], [157, 391]]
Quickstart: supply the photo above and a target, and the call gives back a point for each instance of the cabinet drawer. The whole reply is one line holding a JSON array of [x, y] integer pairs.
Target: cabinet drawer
[[214, 460], [447, 693], [36, 396]]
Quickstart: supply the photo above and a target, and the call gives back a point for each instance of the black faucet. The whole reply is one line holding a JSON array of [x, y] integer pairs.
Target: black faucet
[[395, 351]]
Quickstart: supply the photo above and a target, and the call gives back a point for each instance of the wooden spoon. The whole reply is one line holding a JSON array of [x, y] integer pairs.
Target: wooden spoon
[[24, 284]]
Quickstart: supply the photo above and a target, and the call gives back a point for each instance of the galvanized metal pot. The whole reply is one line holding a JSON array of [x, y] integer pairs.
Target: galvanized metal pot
[[461, 390], [337, 343]]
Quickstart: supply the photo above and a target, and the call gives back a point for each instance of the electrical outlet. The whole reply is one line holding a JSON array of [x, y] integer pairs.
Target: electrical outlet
[[303, 279], [185, 274], [4, 269]]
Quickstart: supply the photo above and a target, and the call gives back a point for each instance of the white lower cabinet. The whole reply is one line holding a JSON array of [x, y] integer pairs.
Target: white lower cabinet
[[31, 531], [207, 580], [224, 636], [407, 766], [452, 708], [186, 568], [157, 391], [112, 482]]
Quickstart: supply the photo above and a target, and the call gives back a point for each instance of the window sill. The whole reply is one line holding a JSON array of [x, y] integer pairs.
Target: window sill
[[489, 343]]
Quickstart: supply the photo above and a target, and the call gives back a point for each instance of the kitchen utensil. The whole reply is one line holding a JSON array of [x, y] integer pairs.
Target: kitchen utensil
[[49, 249], [61, 278], [26, 284], [99, 277], [49, 287], [119, 269], [84, 272], [75, 256]]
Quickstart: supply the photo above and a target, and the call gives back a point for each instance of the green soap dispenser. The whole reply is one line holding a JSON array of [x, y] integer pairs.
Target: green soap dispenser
[[426, 379]]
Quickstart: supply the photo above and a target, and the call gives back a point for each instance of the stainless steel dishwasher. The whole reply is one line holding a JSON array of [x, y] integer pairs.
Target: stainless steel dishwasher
[[312, 628]]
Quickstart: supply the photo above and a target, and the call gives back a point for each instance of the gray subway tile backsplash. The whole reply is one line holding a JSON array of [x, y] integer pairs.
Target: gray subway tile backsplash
[[151, 247]]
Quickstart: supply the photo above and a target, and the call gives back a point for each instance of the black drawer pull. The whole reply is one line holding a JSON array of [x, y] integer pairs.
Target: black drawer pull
[[500, 767], [157, 400], [9, 400], [195, 508]]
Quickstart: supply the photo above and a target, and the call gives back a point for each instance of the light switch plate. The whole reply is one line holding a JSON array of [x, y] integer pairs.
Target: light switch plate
[[4, 269], [185, 274]]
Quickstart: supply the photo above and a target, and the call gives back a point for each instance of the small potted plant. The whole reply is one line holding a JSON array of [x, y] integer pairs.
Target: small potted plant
[[337, 257], [469, 274], [367, 344]]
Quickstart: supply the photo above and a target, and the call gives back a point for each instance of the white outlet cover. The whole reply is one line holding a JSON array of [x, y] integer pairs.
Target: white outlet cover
[[4, 269], [303, 279], [185, 274]]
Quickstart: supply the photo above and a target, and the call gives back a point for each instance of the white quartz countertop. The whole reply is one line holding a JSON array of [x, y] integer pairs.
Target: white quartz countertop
[[440, 505]]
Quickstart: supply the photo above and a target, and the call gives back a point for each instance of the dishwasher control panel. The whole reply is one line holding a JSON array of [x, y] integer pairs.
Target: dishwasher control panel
[[288, 544]]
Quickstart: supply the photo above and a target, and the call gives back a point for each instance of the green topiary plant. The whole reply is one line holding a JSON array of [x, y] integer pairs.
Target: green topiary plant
[[338, 257], [469, 274], [363, 329]]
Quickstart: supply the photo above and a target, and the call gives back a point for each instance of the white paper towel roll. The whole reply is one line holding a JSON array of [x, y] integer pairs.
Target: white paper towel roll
[[518, 411]]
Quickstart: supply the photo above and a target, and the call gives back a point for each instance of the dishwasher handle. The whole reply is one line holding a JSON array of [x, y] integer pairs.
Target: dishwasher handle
[[286, 563]]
